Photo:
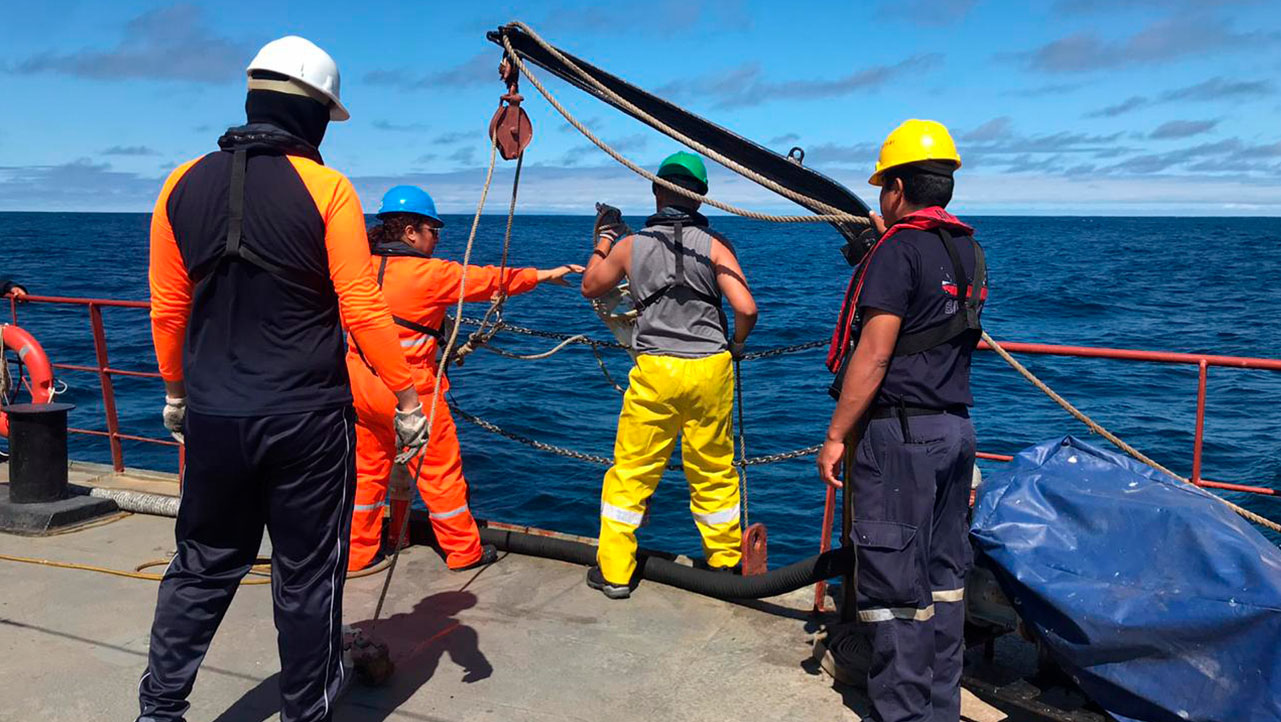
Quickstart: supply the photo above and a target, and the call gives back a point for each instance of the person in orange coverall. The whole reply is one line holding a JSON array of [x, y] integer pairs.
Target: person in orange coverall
[[419, 289]]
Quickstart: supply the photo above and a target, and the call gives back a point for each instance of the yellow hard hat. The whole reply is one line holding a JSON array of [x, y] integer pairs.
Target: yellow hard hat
[[915, 141]]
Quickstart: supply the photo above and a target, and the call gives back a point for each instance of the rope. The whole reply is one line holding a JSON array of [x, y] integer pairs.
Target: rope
[[440, 368], [532, 356], [742, 444], [1120, 444], [137, 573], [834, 215]]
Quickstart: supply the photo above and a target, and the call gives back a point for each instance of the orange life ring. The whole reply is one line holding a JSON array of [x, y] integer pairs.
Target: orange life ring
[[39, 370]]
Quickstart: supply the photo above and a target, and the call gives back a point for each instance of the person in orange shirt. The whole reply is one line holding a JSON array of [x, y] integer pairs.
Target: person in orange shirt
[[419, 289]]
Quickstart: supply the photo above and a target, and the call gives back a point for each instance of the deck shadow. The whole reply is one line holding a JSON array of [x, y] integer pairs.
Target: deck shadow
[[418, 639]]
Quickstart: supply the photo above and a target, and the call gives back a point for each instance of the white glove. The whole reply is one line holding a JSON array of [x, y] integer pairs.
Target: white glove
[[175, 414], [411, 432]]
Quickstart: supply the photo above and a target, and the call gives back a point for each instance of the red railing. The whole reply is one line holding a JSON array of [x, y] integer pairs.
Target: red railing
[[1203, 362], [104, 371]]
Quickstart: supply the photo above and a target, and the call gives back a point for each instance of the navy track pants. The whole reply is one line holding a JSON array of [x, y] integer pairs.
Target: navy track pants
[[911, 501], [293, 474]]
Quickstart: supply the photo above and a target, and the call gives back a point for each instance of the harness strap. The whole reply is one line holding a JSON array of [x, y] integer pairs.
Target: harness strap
[[435, 333], [969, 303], [232, 247], [236, 202], [236, 221], [678, 280]]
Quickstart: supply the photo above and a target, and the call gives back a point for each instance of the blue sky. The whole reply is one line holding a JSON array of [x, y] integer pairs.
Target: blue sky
[[1165, 107]]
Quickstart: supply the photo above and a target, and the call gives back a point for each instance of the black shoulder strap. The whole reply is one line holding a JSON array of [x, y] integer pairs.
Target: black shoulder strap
[[236, 220], [968, 305], [974, 306], [663, 290], [236, 203], [678, 279], [435, 333], [232, 246]]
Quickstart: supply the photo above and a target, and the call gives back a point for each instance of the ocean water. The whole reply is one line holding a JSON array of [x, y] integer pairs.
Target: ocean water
[[1197, 285]]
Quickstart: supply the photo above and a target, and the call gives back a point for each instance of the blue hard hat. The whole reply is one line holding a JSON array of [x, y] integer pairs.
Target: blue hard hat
[[409, 199]]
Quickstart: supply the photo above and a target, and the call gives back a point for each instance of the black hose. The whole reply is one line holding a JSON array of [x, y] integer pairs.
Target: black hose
[[665, 571]]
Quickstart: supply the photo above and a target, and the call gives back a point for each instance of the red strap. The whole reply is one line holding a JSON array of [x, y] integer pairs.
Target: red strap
[[922, 220]]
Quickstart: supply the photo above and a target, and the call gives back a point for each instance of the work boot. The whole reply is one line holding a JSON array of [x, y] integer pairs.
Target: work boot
[[488, 555], [597, 581]]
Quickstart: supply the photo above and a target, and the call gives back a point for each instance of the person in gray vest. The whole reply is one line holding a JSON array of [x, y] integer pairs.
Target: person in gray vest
[[683, 381]]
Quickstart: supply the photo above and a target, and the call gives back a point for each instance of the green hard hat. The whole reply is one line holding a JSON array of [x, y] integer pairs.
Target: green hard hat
[[684, 166]]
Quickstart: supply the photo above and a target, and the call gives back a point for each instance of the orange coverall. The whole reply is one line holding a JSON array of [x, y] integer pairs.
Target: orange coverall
[[419, 290]]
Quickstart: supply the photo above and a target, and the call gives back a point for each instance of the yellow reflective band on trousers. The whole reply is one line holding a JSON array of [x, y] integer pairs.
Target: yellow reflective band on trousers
[[669, 398]]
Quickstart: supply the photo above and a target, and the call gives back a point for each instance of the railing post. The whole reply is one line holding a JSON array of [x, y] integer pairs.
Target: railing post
[[1204, 369], [108, 392]]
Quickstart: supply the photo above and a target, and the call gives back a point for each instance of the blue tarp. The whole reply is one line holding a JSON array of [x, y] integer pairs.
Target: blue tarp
[[1160, 601]]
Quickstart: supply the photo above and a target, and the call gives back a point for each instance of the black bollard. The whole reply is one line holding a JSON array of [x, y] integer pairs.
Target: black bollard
[[37, 499], [37, 452]]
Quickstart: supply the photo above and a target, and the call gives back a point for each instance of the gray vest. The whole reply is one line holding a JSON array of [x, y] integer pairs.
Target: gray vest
[[678, 297]]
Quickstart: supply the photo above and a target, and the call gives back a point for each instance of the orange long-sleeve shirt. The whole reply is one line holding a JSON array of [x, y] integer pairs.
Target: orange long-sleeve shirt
[[422, 290], [246, 334]]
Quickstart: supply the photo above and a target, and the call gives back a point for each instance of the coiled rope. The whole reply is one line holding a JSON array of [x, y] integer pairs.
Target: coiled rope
[[832, 214]]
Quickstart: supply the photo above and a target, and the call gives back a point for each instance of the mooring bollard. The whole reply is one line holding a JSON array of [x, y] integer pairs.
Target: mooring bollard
[[37, 452], [38, 498]]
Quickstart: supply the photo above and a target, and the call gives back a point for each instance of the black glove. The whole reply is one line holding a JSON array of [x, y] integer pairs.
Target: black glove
[[855, 249]]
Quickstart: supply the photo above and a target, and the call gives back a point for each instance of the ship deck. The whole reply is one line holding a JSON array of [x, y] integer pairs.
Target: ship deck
[[523, 639]]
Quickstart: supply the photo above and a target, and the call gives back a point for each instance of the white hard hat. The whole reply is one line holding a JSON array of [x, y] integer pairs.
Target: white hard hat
[[308, 65]]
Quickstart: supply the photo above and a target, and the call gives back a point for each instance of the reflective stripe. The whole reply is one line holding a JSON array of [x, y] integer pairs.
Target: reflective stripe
[[886, 614], [369, 507], [22, 352], [448, 514], [412, 342], [716, 518], [948, 595], [631, 518]]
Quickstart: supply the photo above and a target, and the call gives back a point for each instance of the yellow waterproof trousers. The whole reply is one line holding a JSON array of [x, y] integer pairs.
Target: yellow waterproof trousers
[[669, 397]]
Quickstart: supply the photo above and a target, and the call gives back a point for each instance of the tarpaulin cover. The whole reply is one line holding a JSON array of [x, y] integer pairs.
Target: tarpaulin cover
[[1160, 601]]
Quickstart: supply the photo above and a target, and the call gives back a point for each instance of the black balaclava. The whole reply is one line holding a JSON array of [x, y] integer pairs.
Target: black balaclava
[[295, 114]]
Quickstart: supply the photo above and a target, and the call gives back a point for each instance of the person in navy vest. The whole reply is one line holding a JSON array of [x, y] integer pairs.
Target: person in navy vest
[[901, 353]]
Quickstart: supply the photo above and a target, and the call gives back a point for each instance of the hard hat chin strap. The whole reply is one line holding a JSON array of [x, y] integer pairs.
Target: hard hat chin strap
[[290, 87]]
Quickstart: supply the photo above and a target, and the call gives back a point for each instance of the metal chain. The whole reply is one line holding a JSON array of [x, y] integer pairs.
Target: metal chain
[[584, 340], [603, 460], [772, 352]]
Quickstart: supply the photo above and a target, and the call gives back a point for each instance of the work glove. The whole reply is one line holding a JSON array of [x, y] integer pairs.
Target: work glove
[[174, 415], [609, 223], [736, 349], [411, 432]]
